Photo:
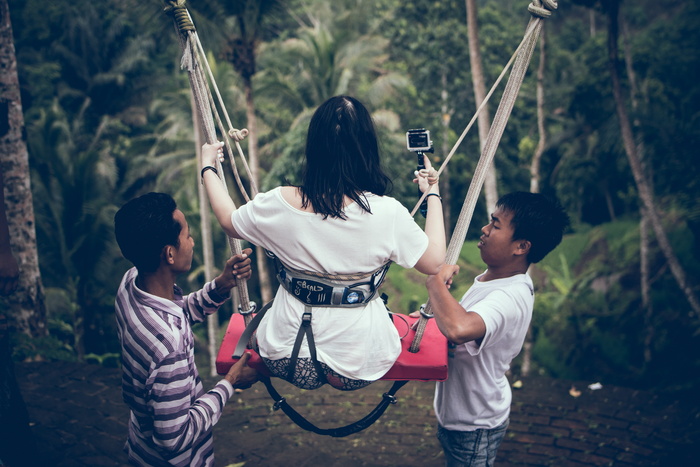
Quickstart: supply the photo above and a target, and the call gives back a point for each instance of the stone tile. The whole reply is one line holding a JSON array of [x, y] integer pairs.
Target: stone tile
[[616, 425]]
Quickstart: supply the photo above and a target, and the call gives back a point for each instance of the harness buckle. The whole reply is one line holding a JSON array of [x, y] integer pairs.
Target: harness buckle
[[250, 310], [306, 319], [353, 296], [278, 404], [392, 399], [424, 314]]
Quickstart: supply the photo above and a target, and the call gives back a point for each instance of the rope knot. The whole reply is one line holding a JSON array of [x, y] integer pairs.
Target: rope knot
[[542, 8], [238, 135], [178, 10]]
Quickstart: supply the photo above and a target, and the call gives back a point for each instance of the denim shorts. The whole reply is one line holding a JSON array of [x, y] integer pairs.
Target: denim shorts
[[471, 448]]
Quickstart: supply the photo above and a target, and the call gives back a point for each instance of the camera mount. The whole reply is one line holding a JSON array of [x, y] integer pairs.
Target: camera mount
[[418, 141]]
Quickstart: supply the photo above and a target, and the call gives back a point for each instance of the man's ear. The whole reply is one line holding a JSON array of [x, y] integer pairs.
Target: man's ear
[[522, 247], [168, 255]]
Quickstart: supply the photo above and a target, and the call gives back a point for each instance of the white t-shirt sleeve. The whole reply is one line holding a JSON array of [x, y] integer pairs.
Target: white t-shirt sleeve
[[499, 312], [411, 242], [249, 220]]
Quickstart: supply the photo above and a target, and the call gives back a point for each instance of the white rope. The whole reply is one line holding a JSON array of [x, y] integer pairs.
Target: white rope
[[476, 114], [198, 85], [235, 134], [522, 59]]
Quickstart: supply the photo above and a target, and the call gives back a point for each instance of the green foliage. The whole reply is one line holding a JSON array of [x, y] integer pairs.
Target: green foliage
[[588, 323], [41, 348], [108, 117], [403, 287], [58, 345], [108, 360]]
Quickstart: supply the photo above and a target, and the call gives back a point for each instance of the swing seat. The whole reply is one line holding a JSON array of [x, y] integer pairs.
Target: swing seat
[[428, 364]]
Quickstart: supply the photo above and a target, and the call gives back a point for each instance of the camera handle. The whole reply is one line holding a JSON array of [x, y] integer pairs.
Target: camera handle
[[421, 164], [424, 204]]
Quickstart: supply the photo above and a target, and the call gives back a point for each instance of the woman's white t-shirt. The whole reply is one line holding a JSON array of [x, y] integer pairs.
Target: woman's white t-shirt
[[359, 343]]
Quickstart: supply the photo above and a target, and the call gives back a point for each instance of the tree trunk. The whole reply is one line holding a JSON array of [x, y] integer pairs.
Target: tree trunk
[[261, 258], [539, 150], [647, 308], [207, 243], [609, 202], [645, 192], [484, 119], [535, 177], [447, 113], [644, 234], [26, 307]]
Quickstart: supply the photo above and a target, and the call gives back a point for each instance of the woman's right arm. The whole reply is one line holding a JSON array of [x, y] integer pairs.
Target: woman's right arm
[[434, 255], [221, 202]]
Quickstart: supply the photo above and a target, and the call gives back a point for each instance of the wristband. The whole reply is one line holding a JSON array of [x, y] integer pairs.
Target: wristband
[[209, 167], [433, 194]]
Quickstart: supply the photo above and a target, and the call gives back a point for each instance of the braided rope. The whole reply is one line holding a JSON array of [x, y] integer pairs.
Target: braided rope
[[177, 9], [220, 125], [522, 55], [187, 37], [232, 133]]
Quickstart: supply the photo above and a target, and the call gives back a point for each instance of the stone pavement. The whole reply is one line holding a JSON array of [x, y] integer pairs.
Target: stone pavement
[[79, 419]]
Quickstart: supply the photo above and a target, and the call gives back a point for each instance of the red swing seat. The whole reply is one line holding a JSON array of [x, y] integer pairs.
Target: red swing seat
[[428, 364]]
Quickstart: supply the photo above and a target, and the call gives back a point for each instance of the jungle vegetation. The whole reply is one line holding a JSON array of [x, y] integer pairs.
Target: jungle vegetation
[[108, 116]]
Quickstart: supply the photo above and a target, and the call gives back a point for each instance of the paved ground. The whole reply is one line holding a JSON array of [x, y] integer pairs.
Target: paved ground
[[79, 419]]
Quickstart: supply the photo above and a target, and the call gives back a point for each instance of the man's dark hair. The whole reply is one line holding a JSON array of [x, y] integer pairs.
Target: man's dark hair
[[144, 226], [342, 158], [537, 218]]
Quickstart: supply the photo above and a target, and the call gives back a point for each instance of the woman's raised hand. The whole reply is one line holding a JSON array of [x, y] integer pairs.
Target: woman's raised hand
[[427, 178], [210, 152]]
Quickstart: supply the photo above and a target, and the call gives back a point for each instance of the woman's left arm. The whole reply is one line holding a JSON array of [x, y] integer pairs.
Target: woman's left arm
[[434, 255], [221, 202]]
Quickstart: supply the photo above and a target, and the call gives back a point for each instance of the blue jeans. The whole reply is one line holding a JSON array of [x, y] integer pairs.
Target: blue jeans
[[471, 448]]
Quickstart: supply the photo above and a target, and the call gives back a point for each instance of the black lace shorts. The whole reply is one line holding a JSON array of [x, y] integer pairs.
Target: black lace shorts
[[306, 376]]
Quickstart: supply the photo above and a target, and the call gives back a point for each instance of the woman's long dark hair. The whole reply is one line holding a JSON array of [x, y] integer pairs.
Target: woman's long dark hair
[[342, 158]]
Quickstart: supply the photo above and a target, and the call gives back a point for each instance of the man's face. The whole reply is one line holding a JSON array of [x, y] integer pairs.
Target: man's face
[[497, 244], [183, 253]]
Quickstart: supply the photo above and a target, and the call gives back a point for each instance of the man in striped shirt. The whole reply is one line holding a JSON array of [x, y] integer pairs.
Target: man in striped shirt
[[171, 416]]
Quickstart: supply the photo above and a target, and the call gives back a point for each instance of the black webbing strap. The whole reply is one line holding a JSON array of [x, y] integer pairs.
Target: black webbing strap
[[365, 422], [281, 403], [305, 330], [249, 330]]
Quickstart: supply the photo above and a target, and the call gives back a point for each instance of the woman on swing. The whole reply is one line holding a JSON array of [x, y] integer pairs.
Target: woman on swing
[[339, 222]]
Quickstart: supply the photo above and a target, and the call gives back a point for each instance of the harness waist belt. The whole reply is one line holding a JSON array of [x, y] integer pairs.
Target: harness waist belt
[[316, 293]]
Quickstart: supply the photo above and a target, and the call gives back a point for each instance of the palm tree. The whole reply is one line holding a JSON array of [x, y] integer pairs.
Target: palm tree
[[484, 121], [643, 187], [77, 148], [245, 25], [74, 180], [336, 50], [102, 58]]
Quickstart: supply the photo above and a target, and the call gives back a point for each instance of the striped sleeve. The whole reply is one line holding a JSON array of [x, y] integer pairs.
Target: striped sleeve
[[179, 424], [203, 302]]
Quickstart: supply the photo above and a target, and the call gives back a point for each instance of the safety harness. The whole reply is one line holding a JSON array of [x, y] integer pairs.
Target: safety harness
[[320, 290]]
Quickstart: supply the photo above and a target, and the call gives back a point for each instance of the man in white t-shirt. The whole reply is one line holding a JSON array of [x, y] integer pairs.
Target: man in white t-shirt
[[487, 328]]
